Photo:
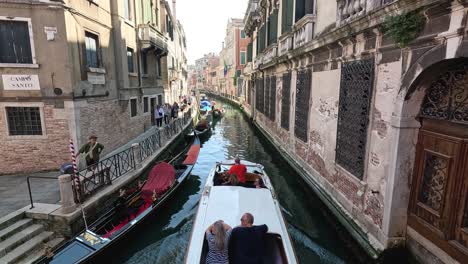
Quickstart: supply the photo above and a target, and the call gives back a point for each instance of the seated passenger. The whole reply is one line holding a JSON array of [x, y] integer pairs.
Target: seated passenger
[[247, 243], [230, 179], [259, 184], [238, 169], [218, 235]]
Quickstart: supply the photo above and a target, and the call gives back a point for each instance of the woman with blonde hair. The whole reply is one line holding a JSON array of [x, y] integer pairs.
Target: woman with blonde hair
[[232, 180], [217, 236]]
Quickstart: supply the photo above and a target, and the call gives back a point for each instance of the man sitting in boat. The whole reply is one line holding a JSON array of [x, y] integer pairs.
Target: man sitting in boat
[[239, 170], [218, 235], [247, 243], [230, 180]]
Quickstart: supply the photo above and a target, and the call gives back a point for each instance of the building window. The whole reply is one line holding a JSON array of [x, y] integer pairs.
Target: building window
[[24, 121], [353, 115], [145, 104], [303, 7], [242, 34], [158, 66], [285, 100], [127, 9], [133, 107], [272, 98], [15, 44], [130, 60], [160, 101], [242, 57], [259, 96], [144, 62], [303, 86], [272, 27], [92, 48]]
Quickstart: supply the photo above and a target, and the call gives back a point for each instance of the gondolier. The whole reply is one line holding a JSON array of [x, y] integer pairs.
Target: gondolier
[[91, 150]]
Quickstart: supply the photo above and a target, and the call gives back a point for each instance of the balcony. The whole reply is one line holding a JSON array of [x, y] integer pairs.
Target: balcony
[[303, 31], [252, 16], [285, 44], [349, 10], [151, 38]]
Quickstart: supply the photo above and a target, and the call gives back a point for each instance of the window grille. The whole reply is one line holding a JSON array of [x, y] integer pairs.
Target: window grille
[[266, 108], [286, 100], [259, 95], [24, 121], [303, 86], [353, 116], [272, 98]]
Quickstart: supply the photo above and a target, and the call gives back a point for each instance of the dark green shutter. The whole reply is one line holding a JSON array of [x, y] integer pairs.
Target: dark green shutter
[[300, 9], [287, 16], [249, 52], [273, 27]]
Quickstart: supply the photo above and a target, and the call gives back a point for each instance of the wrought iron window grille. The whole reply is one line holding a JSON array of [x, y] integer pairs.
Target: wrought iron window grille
[[356, 87]]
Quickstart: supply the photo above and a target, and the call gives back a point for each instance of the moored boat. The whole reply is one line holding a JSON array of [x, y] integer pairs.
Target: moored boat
[[229, 203], [129, 212]]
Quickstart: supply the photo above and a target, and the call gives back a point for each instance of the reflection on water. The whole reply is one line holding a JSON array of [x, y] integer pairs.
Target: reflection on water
[[165, 240]]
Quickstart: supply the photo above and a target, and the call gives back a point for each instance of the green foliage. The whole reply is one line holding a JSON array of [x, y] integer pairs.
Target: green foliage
[[404, 28]]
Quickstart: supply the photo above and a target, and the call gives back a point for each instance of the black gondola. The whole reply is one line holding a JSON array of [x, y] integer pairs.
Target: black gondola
[[113, 226]]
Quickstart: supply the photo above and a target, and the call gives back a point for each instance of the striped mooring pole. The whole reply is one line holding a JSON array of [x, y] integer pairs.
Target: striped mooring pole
[[76, 181]]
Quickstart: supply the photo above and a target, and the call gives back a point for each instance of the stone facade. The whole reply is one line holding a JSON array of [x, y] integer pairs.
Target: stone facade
[[89, 62], [354, 100]]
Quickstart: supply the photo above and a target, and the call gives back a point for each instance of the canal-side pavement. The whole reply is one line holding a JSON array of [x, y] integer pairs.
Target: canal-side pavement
[[14, 194]]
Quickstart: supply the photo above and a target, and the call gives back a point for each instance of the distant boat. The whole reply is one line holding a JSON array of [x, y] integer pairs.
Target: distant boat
[[111, 228], [229, 203], [200, 129]]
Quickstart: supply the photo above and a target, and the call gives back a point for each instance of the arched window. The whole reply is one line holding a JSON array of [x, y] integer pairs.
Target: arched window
[[447, 98]]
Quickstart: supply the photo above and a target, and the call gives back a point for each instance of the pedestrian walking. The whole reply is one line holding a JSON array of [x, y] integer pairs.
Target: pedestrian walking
[[91, 150], [167, 113], [175, 110], [158, 115]]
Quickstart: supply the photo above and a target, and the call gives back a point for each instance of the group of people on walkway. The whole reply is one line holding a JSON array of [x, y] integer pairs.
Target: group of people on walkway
[[166, 112], [242, 245]]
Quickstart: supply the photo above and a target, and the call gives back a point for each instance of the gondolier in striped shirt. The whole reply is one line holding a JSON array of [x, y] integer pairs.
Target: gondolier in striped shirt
[[91, 150]]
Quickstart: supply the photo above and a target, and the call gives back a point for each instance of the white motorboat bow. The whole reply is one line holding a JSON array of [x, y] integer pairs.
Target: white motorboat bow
[[229, 203]]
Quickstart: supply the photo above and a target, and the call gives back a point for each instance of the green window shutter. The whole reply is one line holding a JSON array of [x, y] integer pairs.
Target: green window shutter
[[249, 52], [300, 9], [273, 27], [242, 57], [287, 16]]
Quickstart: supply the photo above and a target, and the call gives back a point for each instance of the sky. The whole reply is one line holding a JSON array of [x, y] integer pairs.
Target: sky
[[205, 21]]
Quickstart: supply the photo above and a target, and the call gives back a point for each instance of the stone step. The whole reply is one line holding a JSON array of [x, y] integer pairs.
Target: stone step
[[14, 228], [11, 218], [38, 253], [19, 238], [22, 250]]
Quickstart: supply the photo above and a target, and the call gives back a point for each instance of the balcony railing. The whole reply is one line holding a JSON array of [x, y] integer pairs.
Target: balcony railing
[[285, 44], [149, 37], [351, 9], [304, 31]]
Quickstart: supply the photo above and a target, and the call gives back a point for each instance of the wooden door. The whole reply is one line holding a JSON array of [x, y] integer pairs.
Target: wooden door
[[438, 207]]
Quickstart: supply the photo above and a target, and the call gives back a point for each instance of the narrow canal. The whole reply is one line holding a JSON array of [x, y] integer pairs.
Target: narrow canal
[[313, 233]]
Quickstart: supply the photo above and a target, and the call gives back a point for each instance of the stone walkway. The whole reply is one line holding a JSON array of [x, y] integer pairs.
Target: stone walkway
[[14, 193]]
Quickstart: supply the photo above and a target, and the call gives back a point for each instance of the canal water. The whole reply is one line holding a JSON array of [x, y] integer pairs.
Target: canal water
[[316, 238]]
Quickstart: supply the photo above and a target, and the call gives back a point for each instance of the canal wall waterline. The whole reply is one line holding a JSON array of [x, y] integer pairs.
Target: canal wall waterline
[[367, 242], [68, 225]]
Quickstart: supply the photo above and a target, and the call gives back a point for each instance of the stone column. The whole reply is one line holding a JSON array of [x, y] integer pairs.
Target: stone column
[[66, 193]]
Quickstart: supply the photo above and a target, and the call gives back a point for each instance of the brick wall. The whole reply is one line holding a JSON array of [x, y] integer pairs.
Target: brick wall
[[111, 122], [32, 153]]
